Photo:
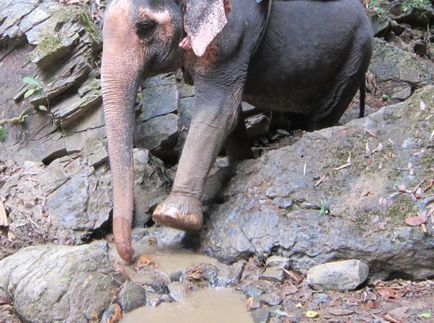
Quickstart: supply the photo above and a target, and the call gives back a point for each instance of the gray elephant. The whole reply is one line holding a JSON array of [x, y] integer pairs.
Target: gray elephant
[[307, 58]]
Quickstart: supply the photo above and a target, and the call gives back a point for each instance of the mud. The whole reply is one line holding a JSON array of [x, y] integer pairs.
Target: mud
[[211, 305]]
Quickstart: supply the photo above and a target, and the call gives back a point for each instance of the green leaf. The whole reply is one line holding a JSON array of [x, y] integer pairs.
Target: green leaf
[[43, 108], [425, 315], [29, 93], [33, 82], [2, 133], [311, 314]]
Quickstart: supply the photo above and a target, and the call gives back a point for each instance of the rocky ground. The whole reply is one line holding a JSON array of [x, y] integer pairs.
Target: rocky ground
[[363, 190]]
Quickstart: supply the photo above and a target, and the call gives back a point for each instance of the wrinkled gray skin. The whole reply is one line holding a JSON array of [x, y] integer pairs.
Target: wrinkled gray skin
[[310, 68]]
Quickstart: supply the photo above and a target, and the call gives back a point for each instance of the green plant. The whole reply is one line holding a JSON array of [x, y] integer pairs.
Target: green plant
[[376, 8], [35, 86], [386, 97], [414, 4], [324, 209]]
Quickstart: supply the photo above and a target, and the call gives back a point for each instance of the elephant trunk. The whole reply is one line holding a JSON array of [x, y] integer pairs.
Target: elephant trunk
[[120, 73]]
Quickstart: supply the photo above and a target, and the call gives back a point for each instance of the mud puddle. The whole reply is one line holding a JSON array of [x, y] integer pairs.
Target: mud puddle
[[202, 305], [211, 305]]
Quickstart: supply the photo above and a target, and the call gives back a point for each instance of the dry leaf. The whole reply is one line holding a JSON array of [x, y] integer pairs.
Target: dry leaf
[[390, 293], [382, 201], [144, 262], [117, 315], [415, 220], [391, 319]]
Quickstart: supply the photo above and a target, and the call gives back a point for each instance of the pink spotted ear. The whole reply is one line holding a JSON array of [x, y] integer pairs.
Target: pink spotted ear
[[203, 20]]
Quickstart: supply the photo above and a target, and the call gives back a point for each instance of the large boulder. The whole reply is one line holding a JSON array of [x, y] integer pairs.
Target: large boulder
[[338, 193], [60, 283], [71, 198]]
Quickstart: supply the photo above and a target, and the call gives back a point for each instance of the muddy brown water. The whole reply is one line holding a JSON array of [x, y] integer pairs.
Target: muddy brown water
[[210, 305], [206, 305]]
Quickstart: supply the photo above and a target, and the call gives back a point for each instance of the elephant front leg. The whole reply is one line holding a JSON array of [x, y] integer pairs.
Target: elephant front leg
[[216, 118]]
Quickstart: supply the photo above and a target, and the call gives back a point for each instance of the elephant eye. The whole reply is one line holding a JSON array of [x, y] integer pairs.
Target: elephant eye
[[146, 28]]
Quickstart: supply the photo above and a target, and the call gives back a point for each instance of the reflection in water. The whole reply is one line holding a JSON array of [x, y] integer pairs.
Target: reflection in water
[[210, 305]]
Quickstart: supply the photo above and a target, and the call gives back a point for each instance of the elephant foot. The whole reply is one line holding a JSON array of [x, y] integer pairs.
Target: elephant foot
[[181, 212]]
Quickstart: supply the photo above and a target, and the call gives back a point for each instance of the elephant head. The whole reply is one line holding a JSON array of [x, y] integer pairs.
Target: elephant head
[[141, 38]]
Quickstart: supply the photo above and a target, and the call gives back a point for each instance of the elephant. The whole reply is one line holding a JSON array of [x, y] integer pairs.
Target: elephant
[[306, 58]]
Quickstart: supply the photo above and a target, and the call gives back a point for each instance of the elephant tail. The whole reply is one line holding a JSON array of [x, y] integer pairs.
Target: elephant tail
[[362, 98]]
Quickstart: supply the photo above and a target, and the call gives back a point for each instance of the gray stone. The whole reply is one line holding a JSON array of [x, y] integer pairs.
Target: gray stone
[[394, 67], [159, 136], [275, 274], [151, 184], [277, 261], [158, 97], [131, 296], [177, 291], [257, 125], [60, 283], [402, 93], [261, 315], [338, 275], [358, 226], [271, 298]]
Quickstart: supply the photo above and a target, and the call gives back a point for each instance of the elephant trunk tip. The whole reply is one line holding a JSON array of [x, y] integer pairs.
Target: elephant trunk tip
[[122, 235]]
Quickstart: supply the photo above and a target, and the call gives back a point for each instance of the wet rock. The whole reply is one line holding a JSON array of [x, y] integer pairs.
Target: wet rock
[[60, 283], [159, 136], [131, 296], [339, 275], [163, 237], [357, 226], [177, 291]]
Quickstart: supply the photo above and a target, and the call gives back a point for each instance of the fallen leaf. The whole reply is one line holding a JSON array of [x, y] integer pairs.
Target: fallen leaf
[[287, 290], [399, 313], [390, 293], [311, 314], [391, 319], [117, 315], [425, 315], [340, 311], [382, 201], [415, 220], [144, 262], [296, 277]]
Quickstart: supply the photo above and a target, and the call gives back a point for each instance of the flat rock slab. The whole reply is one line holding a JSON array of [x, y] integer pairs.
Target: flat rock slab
[[60, 283], [344, 183], [338, 275]]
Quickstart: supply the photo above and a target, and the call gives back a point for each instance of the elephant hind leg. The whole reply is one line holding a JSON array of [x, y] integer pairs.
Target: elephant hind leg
[[350, 79], [237, 145]]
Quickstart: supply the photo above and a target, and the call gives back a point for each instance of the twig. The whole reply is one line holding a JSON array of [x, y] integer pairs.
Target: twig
[[321, 180]]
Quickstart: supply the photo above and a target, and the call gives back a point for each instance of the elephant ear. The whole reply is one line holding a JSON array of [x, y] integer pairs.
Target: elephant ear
[[203, 20]]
